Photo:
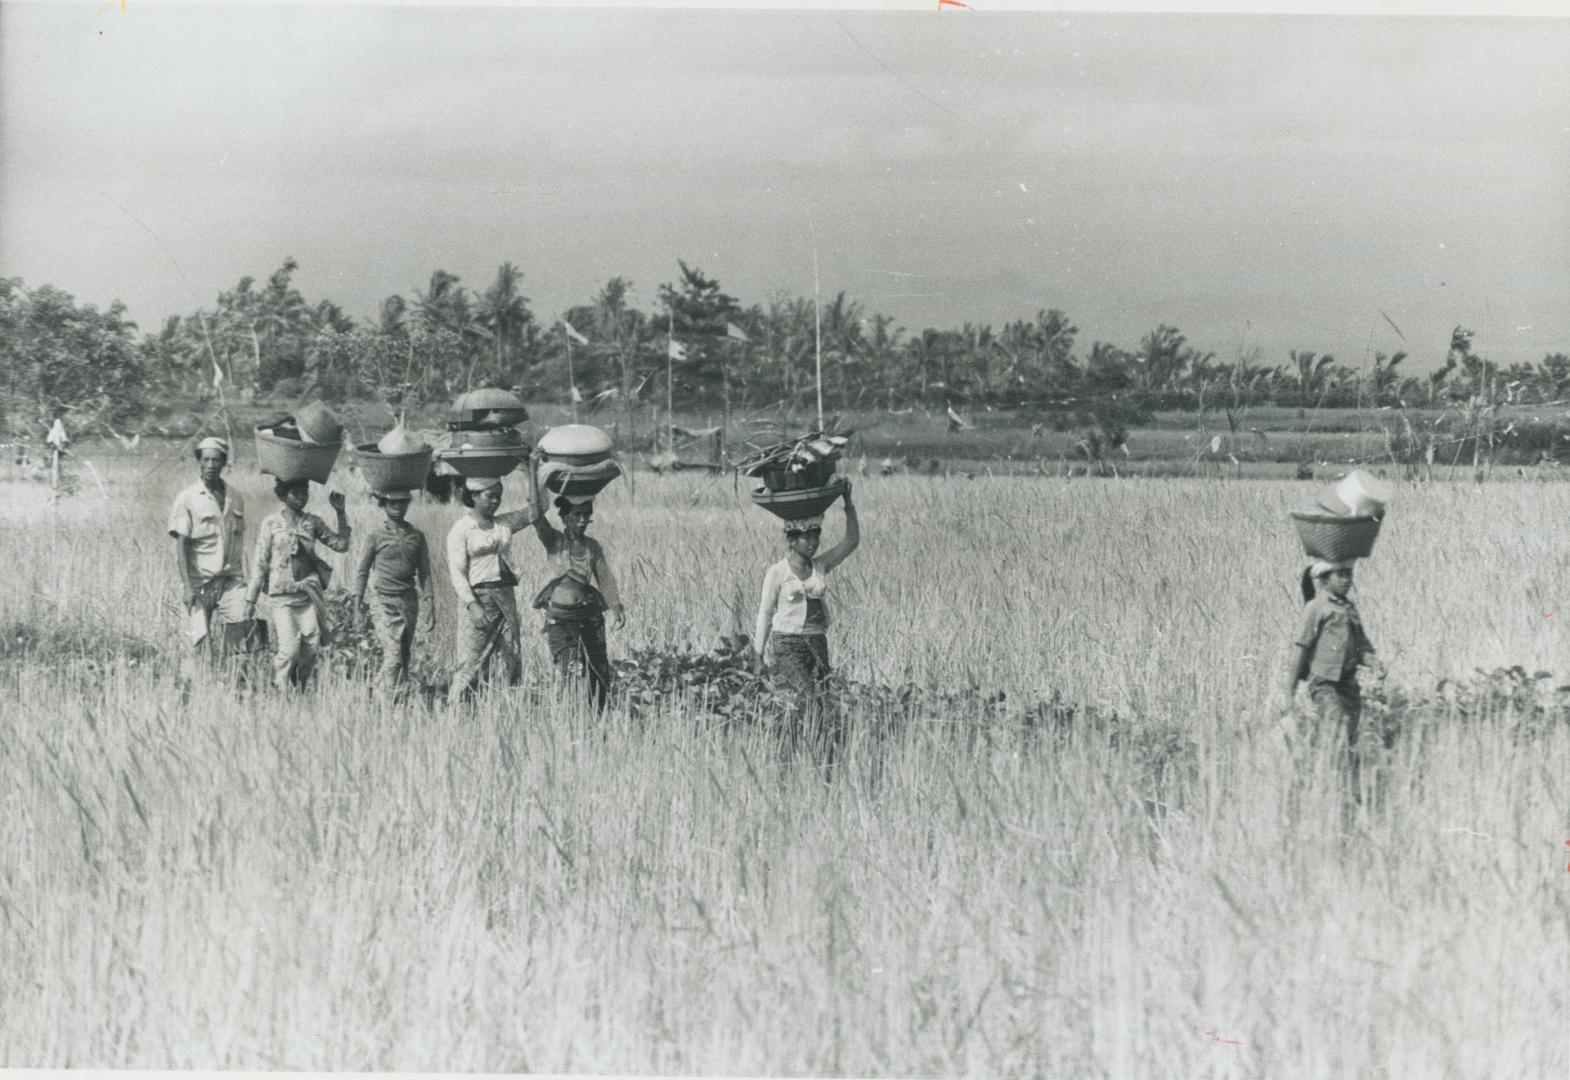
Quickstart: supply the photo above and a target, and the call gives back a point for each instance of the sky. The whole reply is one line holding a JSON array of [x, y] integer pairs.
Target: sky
[[1347, 184]]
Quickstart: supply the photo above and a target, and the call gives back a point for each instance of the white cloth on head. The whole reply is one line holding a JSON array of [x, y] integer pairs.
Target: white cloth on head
[[213, 442], [1320, 567], [481, 483], [804, 524]]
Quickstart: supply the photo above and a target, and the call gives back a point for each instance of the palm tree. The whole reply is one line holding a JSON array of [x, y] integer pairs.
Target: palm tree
[[391, 317], [504, 312], [1384, 377], [444, 305], [1311, 372]]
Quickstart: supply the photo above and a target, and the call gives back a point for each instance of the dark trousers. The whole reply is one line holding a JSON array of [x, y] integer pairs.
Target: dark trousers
[[1340, 706], [578, 650]]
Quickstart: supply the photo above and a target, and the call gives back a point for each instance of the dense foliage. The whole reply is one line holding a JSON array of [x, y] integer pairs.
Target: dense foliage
[[59, 358]]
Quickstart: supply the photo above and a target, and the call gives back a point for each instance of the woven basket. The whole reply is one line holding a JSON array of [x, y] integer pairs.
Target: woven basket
[[811, 476], [1327, 536], [290, 459], [486, 409], [795, 505], [484, 464], [581, 481], [392, 472], [576, 444]]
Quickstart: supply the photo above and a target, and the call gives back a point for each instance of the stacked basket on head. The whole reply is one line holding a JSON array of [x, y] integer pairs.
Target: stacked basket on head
[[397, 462], [485, 440], [304, 446], [798, 478], [1343, 525], [577, 461]]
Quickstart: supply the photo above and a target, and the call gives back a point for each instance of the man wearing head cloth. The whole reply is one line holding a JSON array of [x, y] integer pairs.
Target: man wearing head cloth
[[207, 523]]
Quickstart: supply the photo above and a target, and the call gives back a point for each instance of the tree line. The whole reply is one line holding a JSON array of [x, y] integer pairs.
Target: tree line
[[265, 340]]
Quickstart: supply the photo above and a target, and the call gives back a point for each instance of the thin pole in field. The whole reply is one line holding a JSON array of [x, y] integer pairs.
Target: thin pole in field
[[817, 321], [572, 380], [670, 367]]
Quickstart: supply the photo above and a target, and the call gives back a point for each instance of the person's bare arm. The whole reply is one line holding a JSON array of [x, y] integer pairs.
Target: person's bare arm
[[549, 535], [187, 587], [337, 539], [841, 551], [422, 569], [1297, 671], [761, 628]]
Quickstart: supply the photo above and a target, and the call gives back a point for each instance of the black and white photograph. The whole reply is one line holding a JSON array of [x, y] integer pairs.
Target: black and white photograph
[[915, 539]]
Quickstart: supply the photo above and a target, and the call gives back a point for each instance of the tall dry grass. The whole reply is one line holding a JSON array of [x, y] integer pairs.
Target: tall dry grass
[[191, 879]]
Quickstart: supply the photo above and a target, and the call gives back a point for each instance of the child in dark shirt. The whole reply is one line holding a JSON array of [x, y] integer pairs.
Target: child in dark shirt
[[1331, 648]]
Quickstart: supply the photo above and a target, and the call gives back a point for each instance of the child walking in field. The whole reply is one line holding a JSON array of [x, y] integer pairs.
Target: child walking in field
[[1330, 650], [293, 576], [396, 565]]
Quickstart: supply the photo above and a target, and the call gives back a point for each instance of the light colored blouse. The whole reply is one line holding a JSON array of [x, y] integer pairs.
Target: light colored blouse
[[477, 555], [790, 605]]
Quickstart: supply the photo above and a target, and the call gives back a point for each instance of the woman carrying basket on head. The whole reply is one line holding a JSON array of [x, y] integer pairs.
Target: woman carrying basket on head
[[793, 612], [582, 587], [1330, 650], [483, 580]]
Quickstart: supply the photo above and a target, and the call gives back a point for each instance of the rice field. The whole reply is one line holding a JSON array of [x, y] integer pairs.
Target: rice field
[[1151, 886]]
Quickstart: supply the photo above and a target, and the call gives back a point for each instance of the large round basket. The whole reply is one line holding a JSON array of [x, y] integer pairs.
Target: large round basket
[[576, 444], [487, 439], [291, 459], [392, 472], [795, 505], [484, 464], [1328, 536], [486, 408], [579, 482]]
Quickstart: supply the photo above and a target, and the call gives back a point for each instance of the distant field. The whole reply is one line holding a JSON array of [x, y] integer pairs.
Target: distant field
[[188, 879], [1259, 442]]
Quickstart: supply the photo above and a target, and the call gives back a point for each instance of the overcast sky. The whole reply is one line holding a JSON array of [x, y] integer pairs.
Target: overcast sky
[[1256, 181]]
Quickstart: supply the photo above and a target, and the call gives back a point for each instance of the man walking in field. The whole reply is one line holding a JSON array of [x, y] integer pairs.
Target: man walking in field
[[207, 523]]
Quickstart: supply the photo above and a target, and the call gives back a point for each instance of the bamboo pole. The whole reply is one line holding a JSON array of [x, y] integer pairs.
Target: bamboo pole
[[817, 324], [572, 380], [670, 368]]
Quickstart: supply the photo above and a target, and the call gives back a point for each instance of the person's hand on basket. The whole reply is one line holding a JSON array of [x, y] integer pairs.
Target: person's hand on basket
[[336, 501]]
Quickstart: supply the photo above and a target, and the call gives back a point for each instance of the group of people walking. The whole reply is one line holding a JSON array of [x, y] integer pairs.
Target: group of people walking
[[393, 582]]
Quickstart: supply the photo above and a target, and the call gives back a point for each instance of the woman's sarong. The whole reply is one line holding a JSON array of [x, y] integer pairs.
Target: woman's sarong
[[480, 648]]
